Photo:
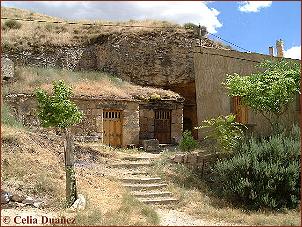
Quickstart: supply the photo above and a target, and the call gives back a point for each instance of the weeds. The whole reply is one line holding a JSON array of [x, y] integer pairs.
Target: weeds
[[131, 212], [187, 142], [63, 34], [7, 118], [92, 83]]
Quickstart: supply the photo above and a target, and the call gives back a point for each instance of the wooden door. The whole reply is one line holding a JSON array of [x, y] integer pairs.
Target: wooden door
[[162, 126], [240, 110], [112, 128]]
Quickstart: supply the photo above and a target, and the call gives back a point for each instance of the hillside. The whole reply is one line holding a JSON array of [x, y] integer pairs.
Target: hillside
[[33, 165], [84, 83], [33, 33], [149, 52]]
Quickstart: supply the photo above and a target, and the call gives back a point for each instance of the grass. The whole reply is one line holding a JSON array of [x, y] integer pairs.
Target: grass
[[7, 118], [64, 34], [131, 212], [197, 200], [91, 83], [32, 35], [34, 166], [29, 168]]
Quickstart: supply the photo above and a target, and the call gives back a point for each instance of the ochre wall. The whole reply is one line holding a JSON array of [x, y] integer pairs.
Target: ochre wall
[[211, 67]]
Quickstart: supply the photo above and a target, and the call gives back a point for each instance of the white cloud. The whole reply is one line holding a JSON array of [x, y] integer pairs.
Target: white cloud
[[253, 6], [293, 52], [179, 11]]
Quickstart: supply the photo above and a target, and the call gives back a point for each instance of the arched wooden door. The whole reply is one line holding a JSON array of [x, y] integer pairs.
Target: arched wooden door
[[112, 128]]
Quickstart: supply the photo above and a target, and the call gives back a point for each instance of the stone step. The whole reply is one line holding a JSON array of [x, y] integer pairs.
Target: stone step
[[165, 200], [131, 164], [151, 194], [138, 158], [141, 180], [144, 186], [139, 173]]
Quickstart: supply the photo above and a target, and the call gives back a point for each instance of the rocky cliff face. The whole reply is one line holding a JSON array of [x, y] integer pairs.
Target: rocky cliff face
[[153, 58], [158, 58]]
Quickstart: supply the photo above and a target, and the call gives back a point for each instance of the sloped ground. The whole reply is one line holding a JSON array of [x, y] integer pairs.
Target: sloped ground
[[83, 83], [33, 165]]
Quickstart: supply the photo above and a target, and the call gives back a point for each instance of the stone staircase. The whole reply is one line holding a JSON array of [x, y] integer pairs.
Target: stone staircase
[[146, 188]]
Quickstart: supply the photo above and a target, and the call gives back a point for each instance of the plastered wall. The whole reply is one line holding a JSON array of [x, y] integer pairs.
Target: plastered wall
[[211, 67]]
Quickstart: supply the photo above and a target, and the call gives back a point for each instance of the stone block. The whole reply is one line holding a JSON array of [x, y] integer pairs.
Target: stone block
[[192, 159], [178, 158], [7, 68], [88, 111], [97, 112], [90, 105], [151, 145]]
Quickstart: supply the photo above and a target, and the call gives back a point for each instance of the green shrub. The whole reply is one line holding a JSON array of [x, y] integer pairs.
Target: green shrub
[[203, 30], [263, 173], [187, 142], [7, 118], [226, 133], [190, 26], [12, 24]]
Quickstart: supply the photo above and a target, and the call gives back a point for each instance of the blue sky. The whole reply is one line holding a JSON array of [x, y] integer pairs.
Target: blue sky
[[252, 25], [256, 31]]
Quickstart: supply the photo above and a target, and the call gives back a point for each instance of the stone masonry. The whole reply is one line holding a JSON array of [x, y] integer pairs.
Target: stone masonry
[[24, 107]]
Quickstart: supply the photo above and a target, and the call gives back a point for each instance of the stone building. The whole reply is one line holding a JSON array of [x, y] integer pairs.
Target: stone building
[[114, 122], [171, 59], [211, 68]]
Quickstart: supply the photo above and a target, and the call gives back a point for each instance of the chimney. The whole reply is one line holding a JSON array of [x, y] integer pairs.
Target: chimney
[[280, 48], [271, 51]]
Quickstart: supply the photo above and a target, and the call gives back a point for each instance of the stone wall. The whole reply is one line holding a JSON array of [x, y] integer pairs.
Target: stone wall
[[135, 117], [195, 160], [164, 56], [68, 57], [147, 117], [131, 124], [24, 107], [211, 67], [146, 124]]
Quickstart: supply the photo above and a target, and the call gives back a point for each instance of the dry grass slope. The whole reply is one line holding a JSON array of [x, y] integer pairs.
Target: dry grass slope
[[33, 165], [88, 83], [34, 34]]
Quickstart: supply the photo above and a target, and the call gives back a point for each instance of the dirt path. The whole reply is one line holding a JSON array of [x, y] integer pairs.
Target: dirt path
[[169, 217]]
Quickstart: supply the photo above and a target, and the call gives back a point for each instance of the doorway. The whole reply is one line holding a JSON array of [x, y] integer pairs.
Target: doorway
[[162, 126], [112, 128]]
